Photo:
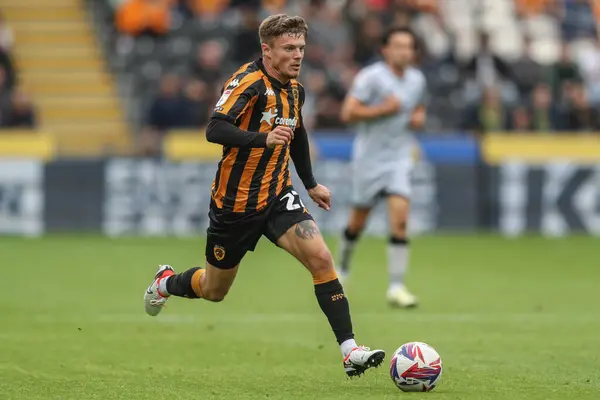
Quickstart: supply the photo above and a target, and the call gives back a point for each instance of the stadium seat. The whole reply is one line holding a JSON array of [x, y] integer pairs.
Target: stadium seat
[[190, 144]]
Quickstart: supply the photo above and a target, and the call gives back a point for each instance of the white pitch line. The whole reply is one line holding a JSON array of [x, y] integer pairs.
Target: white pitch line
[[408, 316]]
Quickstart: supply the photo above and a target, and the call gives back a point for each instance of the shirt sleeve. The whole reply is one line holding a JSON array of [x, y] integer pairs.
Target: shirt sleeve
[[227, 134], [362, 88], [237, 98], [300, 152]]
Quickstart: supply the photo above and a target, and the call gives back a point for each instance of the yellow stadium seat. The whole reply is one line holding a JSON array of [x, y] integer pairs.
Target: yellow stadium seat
[[537, 147], [190, 145], [27, 143]]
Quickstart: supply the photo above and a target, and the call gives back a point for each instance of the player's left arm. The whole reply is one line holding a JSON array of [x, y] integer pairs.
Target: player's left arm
[[300, 153]]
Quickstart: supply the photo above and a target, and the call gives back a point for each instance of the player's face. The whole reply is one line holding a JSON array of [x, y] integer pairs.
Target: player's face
[[399, 51], [286, 53]]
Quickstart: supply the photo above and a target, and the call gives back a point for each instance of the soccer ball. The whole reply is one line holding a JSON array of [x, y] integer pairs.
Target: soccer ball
[[416, 367]]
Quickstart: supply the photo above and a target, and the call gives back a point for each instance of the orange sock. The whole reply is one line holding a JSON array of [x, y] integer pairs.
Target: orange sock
[[325, 277], [197, 282]]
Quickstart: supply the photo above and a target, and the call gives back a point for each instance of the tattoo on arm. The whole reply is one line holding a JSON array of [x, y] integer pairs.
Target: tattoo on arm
[[307, 230]]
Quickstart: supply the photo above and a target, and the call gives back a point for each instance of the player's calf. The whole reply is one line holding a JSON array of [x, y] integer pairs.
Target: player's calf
[[185, 284], [208, 283], [398, 252], [356, 225]]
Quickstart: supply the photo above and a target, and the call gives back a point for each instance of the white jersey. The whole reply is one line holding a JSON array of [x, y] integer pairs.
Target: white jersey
[[387, 139], [383, 149]]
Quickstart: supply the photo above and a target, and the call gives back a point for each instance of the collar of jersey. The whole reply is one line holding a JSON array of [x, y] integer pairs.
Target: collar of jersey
[[276, 84]]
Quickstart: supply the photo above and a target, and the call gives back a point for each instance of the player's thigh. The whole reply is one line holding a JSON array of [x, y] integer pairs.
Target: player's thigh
[[229, 238], [367, 184], [306, 244], [398, 207], [398, 191], [294, 230]]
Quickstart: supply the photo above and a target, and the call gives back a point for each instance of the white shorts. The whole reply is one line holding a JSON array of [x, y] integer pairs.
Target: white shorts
[[370, 182]]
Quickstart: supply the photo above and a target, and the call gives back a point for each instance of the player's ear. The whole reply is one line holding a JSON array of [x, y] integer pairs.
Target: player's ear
[[265, 48]]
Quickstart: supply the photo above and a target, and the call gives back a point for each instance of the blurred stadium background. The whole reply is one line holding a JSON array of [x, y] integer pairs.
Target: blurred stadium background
[[103, 104], [116, 94]]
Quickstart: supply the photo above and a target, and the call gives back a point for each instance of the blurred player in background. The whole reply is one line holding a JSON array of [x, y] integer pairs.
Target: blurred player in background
[[258, 121], [385, 103]]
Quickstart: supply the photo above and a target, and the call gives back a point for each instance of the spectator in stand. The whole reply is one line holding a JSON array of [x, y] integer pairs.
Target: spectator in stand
[[328, 111], [6, 64], [589, 65], [520, 119], [7, 38], [577, 113], [167, 111], [5, 97], [144, 17], [489, 116], [367, 37], [274, 6], [208, 9], [545, 115], [526, 71], [563, 72], [346, 35], [528, 8], [595, 4], [577, 19], [485, 67], [197, 107], [327, 27], [209, 65], [21, 113], [246, 44]]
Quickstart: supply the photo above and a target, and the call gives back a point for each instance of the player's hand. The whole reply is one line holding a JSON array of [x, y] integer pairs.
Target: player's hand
[[417, 119], [281, 135], [390, 105], [322, 196]]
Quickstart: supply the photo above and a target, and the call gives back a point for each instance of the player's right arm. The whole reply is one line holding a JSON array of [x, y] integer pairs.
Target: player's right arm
[[236, 100], [357, 107]]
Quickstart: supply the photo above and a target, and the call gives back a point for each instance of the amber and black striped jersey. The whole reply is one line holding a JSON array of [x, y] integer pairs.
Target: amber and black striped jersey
[[250, 176]]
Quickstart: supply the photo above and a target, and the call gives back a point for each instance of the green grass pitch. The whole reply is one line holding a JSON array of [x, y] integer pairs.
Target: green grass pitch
[[511, 318]]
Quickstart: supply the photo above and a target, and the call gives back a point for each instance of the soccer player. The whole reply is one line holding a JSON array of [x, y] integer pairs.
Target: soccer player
[[258, 121], [385, 103]]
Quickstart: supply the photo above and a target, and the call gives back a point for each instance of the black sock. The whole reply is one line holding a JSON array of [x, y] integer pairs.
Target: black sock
[[334, 304], [181, 284], [346, 248], [351, 237]]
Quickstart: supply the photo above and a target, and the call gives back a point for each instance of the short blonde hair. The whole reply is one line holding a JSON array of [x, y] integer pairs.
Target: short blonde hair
[[281, 24]]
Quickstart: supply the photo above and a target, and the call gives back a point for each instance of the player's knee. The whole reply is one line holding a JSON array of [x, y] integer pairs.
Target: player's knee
[[398, 227], [214, 295], [320, 262], [356, 225], [351, 234], [354, 229]]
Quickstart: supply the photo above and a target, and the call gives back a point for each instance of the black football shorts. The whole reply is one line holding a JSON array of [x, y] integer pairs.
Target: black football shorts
[[230, 235]]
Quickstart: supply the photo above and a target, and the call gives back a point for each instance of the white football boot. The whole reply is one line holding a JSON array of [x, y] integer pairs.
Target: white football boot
[[362, 358], [399, 296], [153, 300]]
